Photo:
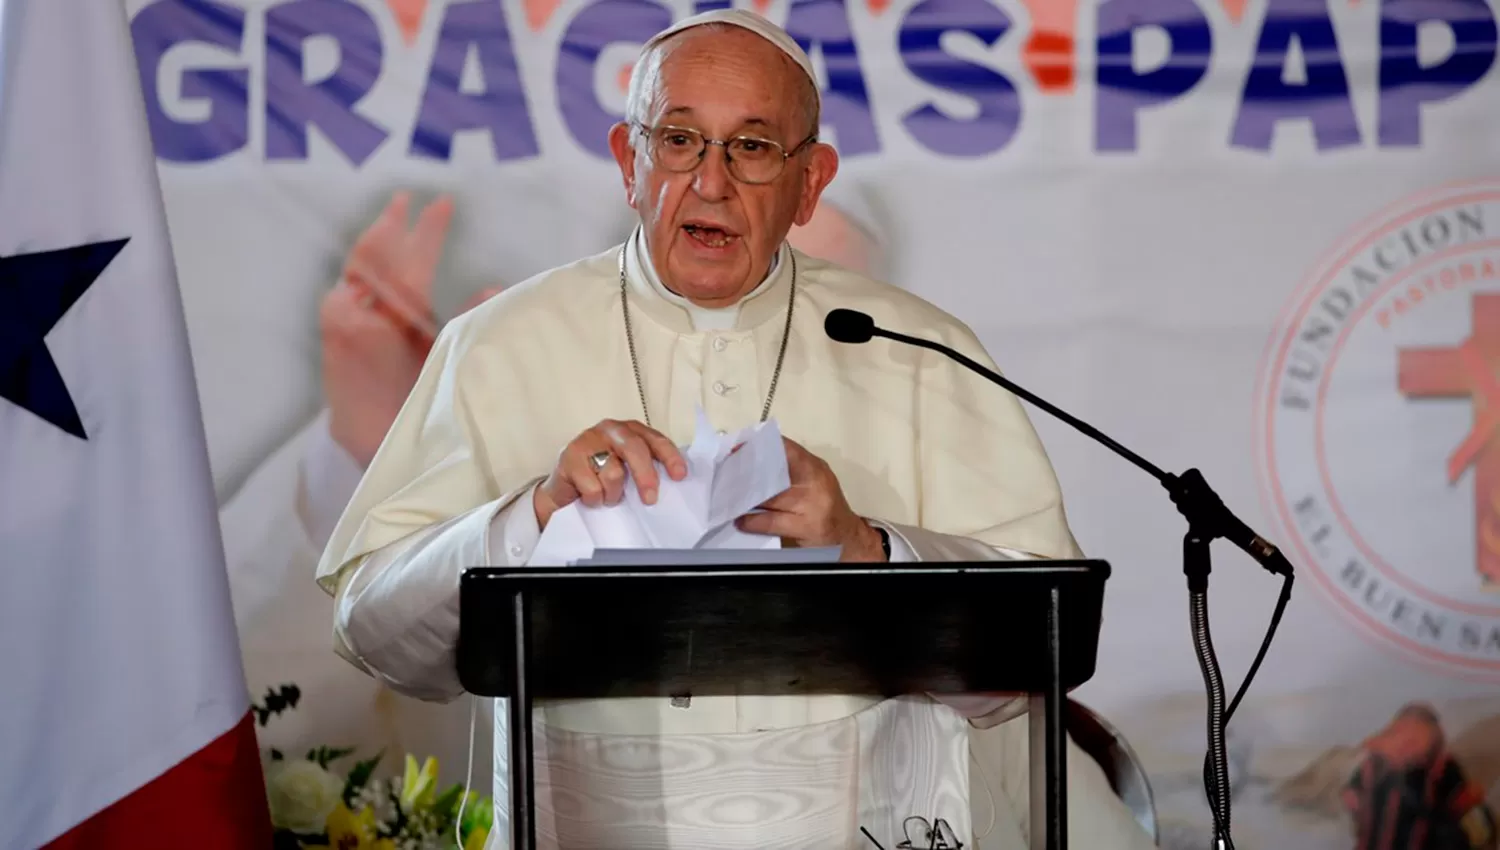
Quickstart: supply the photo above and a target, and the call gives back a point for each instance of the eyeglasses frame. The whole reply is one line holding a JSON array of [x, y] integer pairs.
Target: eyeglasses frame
[[725, 143]]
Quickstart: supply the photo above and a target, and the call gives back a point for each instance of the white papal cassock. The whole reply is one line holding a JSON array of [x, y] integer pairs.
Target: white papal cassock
[[950, 467]]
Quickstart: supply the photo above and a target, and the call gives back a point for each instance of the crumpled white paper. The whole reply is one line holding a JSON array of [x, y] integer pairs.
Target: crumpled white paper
[[722, 483]]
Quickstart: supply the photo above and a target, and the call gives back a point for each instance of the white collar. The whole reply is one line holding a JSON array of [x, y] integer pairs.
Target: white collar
[[704, 318]]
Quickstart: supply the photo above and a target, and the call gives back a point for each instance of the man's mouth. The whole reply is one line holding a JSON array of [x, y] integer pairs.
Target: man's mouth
[[710, 235]]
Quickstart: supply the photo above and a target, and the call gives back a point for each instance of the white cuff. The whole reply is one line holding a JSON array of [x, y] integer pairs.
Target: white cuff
[[329, 478], [901, 551], [396, 615], [514, 531], [923, 545]]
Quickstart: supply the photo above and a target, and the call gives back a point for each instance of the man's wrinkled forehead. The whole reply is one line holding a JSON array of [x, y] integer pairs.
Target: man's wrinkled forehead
[[687, 115], [673, 60]]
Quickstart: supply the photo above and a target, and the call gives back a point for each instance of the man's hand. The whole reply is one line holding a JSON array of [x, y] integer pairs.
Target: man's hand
[[814, 512], [630, 445]]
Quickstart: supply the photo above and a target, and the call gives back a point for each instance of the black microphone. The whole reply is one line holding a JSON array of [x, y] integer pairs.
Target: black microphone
[[1205, 512], [849, 326]]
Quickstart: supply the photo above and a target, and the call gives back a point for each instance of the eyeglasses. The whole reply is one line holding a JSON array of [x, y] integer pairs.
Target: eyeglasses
[[935, 836], [750, 159]]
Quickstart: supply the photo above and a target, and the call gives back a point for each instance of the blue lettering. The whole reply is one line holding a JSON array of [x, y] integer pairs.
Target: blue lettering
[[158, 28], [1323, 99], [1405, 85], [823, 25], [292, 104], [921, 51], [500, 107], [1123, 92], [598, 26]]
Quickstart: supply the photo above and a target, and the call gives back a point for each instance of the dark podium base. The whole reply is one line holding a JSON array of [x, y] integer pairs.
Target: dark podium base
[[588, 632]]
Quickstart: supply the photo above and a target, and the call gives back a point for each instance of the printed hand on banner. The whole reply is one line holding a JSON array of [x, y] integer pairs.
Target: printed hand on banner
[[831, 235], [377, 324], [1319, 786]]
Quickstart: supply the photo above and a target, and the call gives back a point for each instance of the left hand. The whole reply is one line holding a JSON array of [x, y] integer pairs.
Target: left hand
[[814, 512]]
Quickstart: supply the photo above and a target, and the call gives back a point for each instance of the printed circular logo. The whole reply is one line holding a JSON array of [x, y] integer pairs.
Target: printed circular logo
[[1378, 434]]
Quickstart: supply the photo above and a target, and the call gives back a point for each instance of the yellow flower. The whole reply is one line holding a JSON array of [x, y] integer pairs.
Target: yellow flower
[[476, 839], [350, 831], [418, 787]]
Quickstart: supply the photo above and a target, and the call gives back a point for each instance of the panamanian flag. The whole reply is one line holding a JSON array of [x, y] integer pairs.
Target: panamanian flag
[[124, 716]]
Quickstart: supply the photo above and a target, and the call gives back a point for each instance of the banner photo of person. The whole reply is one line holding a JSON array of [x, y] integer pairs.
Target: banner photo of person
[[1256, 237]]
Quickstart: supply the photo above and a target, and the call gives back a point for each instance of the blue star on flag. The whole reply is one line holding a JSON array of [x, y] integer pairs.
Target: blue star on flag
[[36, 291]]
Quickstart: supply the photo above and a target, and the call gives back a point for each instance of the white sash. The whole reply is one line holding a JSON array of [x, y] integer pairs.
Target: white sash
[[805, 788]]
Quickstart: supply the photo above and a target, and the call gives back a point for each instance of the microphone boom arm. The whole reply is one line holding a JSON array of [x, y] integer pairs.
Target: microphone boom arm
[[1206, 513], [1150, 468]]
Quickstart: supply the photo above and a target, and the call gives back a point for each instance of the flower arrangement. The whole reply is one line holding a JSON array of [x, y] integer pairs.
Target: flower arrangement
[[316, 807]]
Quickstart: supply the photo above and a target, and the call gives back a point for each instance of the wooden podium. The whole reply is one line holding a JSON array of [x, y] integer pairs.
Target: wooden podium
[[884, 630]]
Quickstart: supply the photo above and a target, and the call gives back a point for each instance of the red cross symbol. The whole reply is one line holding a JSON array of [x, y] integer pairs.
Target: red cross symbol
[[1469, 371]]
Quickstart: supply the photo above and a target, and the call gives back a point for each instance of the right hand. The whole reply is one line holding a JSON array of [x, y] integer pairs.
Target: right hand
[[372, 351], [397, 263], [632, 445]]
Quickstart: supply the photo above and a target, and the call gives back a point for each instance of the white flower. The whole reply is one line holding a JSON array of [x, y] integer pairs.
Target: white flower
[[301, 795], [370, 795], [387, 807]]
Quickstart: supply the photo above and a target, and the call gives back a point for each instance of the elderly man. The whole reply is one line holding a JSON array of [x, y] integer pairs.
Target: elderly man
[[278, 522], [892, 455]]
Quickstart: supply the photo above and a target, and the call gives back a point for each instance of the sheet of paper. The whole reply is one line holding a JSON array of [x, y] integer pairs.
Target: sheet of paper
[[728, 536], [675, 521], [728, 477], [749, 477]]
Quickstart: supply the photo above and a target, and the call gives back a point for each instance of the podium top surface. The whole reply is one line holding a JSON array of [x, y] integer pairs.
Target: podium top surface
[[1034, 572], [779, 629]]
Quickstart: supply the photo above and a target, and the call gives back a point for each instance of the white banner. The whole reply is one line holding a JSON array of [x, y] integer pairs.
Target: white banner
[[1256, 238]]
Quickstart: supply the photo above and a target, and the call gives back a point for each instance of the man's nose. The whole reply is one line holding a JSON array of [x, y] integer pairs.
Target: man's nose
[[711, 179]]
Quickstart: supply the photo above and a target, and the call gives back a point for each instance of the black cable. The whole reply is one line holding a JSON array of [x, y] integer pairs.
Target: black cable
[[1265, 645]]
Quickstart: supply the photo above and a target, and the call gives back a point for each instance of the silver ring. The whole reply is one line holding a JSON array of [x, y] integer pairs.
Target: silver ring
[[599, 460]]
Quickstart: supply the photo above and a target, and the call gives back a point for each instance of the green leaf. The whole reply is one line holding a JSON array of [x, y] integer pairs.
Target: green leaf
[[447, 803], [359, 776], [324, 755], [478, 814]]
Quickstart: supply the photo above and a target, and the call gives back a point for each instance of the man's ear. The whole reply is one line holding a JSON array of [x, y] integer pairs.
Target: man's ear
[[822, 165], [624, 153]]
